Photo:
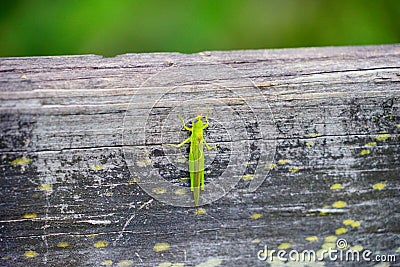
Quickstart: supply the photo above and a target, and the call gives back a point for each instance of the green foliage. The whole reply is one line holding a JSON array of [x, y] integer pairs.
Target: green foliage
[[114, 27]]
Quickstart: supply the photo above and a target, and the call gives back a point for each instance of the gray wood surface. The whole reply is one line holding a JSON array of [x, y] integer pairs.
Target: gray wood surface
[[69, 196]]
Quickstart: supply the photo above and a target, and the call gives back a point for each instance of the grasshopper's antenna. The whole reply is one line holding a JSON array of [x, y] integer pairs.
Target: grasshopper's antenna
[[197, 109], [208, 110]]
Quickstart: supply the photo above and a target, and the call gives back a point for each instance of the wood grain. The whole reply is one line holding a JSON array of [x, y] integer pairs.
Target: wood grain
[[66, 185]]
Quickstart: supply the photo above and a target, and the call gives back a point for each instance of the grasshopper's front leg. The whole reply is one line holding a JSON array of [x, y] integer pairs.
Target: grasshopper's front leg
[[205, 142], [206, 125], [180, 145], [186, 140], [184, 124]]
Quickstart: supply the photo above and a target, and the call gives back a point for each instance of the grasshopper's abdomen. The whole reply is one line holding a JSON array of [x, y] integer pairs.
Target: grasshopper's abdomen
[[196, 169]]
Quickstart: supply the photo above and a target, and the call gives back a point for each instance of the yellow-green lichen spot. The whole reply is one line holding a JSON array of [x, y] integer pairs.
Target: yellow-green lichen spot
[[355, 224], [159, 191], [46, 187], [309, 144], [97, 168], [20, 161], [348, 222], [179, 191], [311, 238], [256, 216], [30, 254], [365, 152], [125, 263], [106, 263], [284, 246], [314, 134], [382, 137], [336, 186], [31, 215], [330, 239], [379, 186], [271, 166], [339, 204], [340, 231], [248, 177], [200, 211], [370, 144], [101, 244], [63, 244], [283, 161], [162, 246]]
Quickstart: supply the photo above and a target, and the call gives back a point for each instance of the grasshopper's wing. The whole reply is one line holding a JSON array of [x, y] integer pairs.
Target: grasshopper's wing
[[196, 169]]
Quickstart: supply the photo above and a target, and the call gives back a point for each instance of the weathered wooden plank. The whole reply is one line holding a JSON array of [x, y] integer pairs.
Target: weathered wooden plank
[[335, 117]]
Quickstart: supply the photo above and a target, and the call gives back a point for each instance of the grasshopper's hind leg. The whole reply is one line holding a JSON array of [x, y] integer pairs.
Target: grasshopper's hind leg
[[210, 147]]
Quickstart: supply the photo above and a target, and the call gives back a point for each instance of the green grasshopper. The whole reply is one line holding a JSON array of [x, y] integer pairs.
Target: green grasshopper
[[196, 154]]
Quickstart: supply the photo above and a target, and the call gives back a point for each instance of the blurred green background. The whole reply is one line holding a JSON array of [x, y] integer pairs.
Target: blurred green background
[[106, 27]]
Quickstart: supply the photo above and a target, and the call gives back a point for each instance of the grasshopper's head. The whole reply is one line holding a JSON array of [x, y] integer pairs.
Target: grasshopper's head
[[198, 122]]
